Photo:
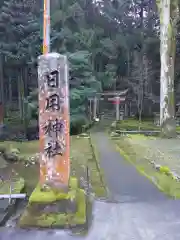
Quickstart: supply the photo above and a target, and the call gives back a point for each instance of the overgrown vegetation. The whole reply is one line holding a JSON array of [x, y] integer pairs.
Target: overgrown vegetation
[[132, 124], [105, 47], [82, 157]]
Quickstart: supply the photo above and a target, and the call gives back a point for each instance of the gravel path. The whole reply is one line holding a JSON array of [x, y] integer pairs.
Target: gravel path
[[139, 212]]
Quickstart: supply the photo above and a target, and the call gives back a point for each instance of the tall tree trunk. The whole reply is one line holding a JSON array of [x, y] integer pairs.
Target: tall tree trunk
[[141, 83], [10, 90], [167, 50], [1, 91], [25, 81], [21, 95]]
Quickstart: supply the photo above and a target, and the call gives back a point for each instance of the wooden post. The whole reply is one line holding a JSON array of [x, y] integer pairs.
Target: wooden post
[[125, 109], [95, 107], [117, 108], [90, 109], [130, 108], [98, 106], [54, 120]]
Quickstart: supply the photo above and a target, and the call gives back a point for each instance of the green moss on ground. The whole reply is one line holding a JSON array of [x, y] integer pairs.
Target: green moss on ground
[[34, 218], [133, 125], [163, 181], [17, 185], [97, 177], [27, 173], [3, 163], [81, 155], [26, 148]]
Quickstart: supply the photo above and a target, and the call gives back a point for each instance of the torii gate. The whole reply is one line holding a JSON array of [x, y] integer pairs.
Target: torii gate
[[116, 97]]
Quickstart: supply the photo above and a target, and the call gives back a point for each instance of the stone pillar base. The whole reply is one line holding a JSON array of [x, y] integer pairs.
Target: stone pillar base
[[49, 208]]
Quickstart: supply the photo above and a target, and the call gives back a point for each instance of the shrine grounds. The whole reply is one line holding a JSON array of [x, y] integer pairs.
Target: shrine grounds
[[154, 157], [134, 167], [23, 158]]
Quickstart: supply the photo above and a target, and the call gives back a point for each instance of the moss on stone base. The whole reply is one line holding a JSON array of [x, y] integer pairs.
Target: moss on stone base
[[50, 195], [35, 217]]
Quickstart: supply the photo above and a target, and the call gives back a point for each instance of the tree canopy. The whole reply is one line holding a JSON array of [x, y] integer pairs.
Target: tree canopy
[[108, 43]]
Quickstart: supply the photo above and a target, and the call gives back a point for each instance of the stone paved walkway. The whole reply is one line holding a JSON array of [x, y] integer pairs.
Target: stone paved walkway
[[141, 212], [122, 179]]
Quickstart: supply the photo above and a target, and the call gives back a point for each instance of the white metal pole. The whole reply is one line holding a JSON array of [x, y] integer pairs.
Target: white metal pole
[[12, 196]]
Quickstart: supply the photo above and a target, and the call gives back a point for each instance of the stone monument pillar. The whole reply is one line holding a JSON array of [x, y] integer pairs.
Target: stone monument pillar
[[1, 113], [61, 202], [54, 120]]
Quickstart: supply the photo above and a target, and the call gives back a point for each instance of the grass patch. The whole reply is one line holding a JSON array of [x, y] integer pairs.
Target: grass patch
[[26, 148], [133, 125], [17, 185], [81, 155], [134, 154], [3, 163], [26, 173], [96, 175], [142, 137]]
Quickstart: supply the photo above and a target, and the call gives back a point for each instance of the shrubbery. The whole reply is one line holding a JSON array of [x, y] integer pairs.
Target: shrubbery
[[79, 124], [15, 130]]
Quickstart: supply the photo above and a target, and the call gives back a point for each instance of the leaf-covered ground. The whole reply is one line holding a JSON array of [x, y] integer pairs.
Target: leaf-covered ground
[[141, 150], [162, 151]]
